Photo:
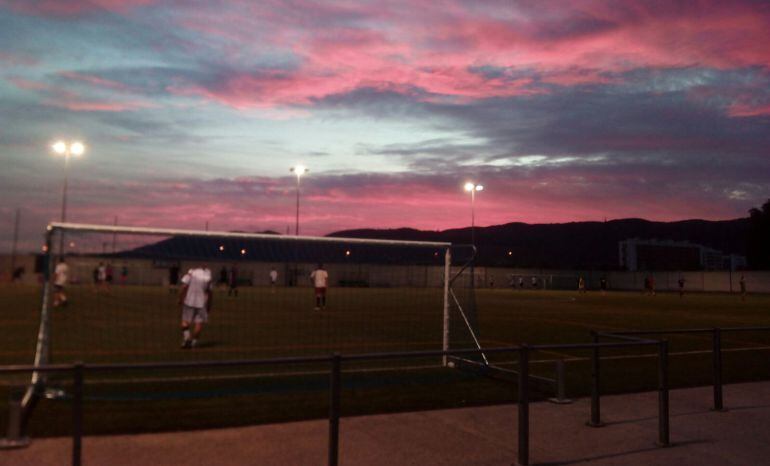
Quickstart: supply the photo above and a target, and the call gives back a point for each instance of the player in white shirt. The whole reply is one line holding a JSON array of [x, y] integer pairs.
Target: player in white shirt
[[101, 276], [59, 282], [320, 278], [273, 279], [195, 297]]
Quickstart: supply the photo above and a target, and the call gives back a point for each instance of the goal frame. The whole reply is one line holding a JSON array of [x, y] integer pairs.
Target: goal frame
[[38, 384]]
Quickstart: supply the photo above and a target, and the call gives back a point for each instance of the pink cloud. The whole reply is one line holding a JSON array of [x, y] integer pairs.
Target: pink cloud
[[79, 105], [28, 84], [15, 59], [55, 96], [71, 8], [95, 81], [345, 46], [748, 110]]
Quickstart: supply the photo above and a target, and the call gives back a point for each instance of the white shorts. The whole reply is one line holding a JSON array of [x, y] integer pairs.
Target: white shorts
[[195, 314]]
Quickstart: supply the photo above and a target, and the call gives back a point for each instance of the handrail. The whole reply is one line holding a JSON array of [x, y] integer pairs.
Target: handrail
[[79, 371]]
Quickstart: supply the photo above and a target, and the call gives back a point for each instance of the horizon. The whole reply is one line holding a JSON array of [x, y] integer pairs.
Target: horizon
[[192, 114]]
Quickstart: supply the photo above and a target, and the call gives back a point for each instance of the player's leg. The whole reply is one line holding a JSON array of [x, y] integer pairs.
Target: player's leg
[[317, 299], [323, 298], [187, 315], [201, 317], [196, 333]]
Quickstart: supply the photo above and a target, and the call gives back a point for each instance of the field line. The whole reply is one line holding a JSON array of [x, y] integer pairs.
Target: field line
[[248, 375]]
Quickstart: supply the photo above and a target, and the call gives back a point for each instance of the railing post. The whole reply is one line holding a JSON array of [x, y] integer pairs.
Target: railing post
[[334, 409], [663, 413], [716, 357], [596, 419], [523, 405], [77, 413], [561, 390]]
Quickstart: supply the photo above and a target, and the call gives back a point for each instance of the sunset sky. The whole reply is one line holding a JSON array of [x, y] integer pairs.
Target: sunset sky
[[193, 111]]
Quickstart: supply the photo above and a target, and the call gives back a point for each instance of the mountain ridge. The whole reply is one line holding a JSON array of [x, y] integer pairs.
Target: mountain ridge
[[590, 244]]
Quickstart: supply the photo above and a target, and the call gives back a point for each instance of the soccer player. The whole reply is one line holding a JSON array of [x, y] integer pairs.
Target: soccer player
[[195, 297], [101, 276], [581, 285], [603, 284], [173, 278], [108, 274], [320, 279], [232, 281], [273, 279], [681, 286], [59, 282], [743, 288]]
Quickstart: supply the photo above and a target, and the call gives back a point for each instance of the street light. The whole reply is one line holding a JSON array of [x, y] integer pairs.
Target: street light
[[473, 187], [299, 170], [73, 149]]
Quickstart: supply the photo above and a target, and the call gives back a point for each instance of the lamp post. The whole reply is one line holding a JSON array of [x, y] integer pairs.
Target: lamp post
[[299, 170], [473, 187], [67, 150]]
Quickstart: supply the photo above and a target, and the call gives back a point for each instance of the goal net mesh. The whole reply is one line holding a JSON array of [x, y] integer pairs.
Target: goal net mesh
[[123, 293]]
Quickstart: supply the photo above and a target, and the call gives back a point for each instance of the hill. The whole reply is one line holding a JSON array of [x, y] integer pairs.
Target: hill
[[572, 245]]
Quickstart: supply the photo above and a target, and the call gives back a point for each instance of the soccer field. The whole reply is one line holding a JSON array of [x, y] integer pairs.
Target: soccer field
[[140, 324]]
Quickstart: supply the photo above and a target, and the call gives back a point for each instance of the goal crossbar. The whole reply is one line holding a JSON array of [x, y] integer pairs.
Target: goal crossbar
[[115, 229]]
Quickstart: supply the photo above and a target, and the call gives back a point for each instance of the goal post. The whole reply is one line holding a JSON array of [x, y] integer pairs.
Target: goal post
[[123, 283], [122, 291]]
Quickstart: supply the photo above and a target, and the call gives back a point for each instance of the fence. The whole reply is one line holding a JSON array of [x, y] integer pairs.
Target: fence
[[335, 363]]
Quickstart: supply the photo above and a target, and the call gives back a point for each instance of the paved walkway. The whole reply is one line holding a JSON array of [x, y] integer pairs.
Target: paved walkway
[[468, 436]]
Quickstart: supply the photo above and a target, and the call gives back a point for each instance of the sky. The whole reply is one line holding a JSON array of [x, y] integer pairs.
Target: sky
[[194, 111]]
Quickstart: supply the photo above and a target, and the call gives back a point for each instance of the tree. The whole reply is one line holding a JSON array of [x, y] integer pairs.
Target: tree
[[758, 247]]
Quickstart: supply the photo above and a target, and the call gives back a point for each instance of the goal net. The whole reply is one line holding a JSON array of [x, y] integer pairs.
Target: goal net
[[124, 286], [111, 295]]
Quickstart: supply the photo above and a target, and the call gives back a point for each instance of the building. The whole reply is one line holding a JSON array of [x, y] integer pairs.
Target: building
[[652, 254]]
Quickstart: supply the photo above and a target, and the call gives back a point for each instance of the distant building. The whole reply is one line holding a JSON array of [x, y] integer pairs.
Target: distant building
[[651, 254]]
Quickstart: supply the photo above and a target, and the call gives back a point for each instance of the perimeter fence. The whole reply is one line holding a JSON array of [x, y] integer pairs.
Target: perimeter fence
[[335, 364]]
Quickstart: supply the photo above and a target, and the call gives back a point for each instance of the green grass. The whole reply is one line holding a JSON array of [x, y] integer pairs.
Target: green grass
[[140, 324]]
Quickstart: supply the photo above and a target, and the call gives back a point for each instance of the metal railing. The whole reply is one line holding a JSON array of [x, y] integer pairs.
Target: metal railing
[[716, 350], [335, 363]]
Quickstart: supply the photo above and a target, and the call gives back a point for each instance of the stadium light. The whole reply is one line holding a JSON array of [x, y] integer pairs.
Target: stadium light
[[221, 248], [472, 188], [73, 149], [299, 170]]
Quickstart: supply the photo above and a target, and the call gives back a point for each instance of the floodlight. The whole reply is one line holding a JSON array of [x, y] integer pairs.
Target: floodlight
[[299, 170], [59, 147], [77, 148], [469, 186]]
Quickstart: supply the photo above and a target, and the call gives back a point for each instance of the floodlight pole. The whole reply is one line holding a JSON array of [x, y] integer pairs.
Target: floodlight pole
[[296, 220], [64, 198], [299, 170], [473, 217], [473, 187], [15, 240], [67, 150]]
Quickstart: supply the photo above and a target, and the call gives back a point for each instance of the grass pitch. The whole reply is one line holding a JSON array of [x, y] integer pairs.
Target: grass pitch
[[140, 324]]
